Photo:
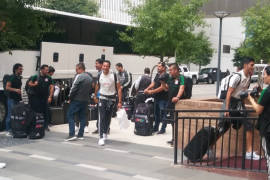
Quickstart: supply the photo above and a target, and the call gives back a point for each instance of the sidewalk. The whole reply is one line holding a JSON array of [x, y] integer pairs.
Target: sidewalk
[[125, 135]]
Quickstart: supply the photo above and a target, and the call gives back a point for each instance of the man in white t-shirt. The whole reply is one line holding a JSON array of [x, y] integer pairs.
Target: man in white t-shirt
[[239, 82], [108, 86]]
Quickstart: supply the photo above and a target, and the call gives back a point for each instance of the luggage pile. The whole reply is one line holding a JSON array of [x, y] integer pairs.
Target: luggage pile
[[27, 123]]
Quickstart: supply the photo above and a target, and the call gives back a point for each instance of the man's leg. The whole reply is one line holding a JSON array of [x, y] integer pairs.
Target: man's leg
[[109, 117], [10, 104], [266, 146], [82, 117], [73, 108], [163, 105], [157, 116], [102, 117]]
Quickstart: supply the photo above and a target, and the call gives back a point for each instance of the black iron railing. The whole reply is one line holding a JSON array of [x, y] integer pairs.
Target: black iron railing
[[228, 149]]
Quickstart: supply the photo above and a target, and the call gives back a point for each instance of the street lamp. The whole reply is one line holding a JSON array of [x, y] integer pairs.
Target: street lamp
[[220, 15]]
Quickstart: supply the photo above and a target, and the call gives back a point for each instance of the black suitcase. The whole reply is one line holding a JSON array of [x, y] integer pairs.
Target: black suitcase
[[37, 130], [143, 125], [200, 143], [20, 118]]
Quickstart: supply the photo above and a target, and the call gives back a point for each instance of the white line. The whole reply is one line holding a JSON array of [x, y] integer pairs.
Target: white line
[[75, 144], [162, 158], [5, 150], [91, 167], [115, 150], [144, 177], [42, 157]]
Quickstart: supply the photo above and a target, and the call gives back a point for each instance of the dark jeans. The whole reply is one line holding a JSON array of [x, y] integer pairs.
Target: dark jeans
[[80, 108], [159, 114], [40, 105], [105, 109], [10, 103], [168, 115]]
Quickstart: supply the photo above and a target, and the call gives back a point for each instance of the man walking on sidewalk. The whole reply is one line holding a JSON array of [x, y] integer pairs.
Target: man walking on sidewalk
[[108, 87], [79, 98]]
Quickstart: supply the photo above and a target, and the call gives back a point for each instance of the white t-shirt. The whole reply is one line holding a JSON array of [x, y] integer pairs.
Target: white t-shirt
[[107, 84], [242, 86]]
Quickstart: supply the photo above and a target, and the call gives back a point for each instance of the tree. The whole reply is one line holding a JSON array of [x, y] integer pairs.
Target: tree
[[163, 28], [21, 26], [256, 21], [86, 7]]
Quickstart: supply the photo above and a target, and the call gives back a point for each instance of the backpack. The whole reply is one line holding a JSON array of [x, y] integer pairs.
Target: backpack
[[5, 80], [30, 90], [188, 88], [224, 85]]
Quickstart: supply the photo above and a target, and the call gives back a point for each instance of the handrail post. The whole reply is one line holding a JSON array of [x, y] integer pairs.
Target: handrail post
[[175, 137]]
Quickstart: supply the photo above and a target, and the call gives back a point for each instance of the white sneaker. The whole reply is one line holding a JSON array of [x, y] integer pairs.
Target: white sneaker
[[8, 134], [101, 142], [105, 136], [2, 165], [86, 130], [254, 156]]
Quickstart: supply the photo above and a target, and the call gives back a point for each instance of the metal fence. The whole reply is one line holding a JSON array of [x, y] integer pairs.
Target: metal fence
[[227, 147]]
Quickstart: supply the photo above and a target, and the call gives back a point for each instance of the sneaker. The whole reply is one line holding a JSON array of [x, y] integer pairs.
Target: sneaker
[[105, 136], [254, 156], [8, 134], [211, 154], [86, 130], [80, 137], [161, 132], [170, 142], [101, 142], [71, 138], [2, 165], [95, 132]]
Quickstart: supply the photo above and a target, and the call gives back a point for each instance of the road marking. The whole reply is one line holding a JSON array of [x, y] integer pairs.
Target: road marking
[[75, 144], [5, 150], [42, 157], [4, 178], [115, 150], [91, 167], [162, 158], [144, 177]]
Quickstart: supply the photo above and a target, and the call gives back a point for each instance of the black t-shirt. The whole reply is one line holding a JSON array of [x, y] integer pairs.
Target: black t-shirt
[[44, 82], [174, 85], [16, 82], [264, 118], [163, 95]]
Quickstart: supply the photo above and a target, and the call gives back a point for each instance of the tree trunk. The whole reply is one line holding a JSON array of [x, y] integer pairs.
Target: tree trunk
[[161, 58]]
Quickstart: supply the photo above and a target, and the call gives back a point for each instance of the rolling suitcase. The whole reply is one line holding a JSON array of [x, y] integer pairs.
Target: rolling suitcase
[[20, 118], [200, 143], [37, 130]]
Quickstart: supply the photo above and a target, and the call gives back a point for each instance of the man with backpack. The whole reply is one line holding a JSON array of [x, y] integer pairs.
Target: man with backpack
[[160, 96], [42, 89], [13, 91], [79, 98], [108, 87], [175, 85], [237, 83], [125, 79]]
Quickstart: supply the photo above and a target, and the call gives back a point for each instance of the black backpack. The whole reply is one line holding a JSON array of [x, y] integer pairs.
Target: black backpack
[[5, 80], [188, 88], [30, 90]]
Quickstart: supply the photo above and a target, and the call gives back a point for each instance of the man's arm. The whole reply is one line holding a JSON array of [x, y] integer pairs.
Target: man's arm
[[137, 83], [119, 95], [51, 93], [228, 99], [75, 86], [9, 88], [179, 94], [96, 91], [127, 79]]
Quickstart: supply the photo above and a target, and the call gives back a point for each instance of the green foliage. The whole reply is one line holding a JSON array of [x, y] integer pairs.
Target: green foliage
[[86, 7], [256, 21], [163, 28], [238, 57], [24, 27]]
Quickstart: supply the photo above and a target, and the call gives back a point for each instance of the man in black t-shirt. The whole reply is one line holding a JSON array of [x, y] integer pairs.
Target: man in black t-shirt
[[43, 92], [13, 87], [263, 109], [160, 95]]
